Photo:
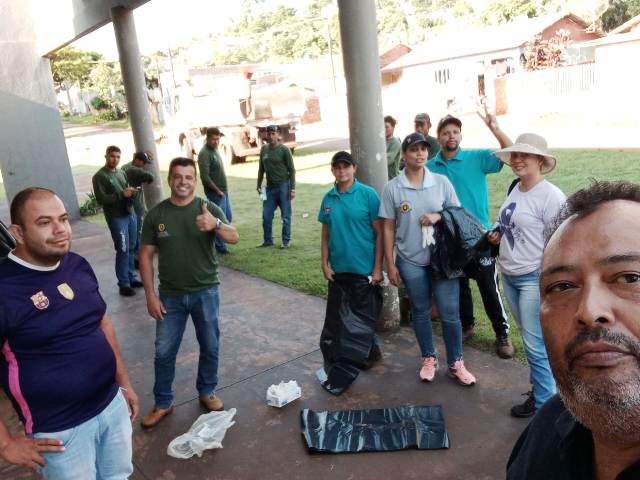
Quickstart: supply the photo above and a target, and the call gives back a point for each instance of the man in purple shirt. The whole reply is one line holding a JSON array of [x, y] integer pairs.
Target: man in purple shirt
[[60, 362]]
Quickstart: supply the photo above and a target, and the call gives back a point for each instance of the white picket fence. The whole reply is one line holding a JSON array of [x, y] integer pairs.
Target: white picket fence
[[553, 89]]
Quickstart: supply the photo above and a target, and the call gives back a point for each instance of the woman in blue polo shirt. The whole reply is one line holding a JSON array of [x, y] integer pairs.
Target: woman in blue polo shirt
[[410, 202], [352, 264]]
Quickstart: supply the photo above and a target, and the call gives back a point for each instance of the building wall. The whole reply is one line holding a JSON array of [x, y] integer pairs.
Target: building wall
[[617, 78], [32, 146], [578, 32]]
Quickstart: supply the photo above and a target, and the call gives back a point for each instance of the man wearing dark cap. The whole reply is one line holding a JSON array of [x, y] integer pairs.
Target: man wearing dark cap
[[276, 162], [422, 124], [351, 251], [467, 170], [214, 180], [137, 175]]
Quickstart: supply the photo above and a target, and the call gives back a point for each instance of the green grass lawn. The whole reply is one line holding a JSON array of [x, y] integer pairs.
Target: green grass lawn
[[299, 266]]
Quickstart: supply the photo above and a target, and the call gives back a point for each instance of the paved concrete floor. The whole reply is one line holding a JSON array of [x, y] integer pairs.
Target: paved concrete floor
[[270, 333]]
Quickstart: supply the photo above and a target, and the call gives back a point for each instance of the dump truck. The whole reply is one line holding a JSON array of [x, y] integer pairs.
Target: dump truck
[[242, 101]]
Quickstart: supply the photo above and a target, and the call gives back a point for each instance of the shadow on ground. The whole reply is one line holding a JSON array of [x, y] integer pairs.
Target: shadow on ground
[[270, 333]]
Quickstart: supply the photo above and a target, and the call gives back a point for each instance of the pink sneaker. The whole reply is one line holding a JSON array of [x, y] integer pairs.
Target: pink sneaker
[[428, 370], [461, 374]]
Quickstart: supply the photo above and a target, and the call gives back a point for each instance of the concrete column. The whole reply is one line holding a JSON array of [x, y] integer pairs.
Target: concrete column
[[136, 93], [359, 38]]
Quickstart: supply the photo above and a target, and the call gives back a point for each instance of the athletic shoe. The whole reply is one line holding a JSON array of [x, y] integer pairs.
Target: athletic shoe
[[264, 245], [136, 284], [459, 372], [127, 291], [428, 370]]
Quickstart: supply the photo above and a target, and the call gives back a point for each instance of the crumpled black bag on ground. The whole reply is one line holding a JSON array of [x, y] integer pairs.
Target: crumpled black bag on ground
[[353, 306], [456, 236], [375, 430]]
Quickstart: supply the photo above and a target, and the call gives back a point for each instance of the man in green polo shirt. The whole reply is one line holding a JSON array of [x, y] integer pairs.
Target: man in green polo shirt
[[276, 162], [181, 230], [116, 196], [137, 176], [213, 178], [467, 169], [351, 261]]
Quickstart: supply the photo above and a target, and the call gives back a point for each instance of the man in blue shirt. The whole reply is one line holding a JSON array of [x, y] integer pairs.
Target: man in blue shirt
[[351, 251], [60, 363], [467, 170]]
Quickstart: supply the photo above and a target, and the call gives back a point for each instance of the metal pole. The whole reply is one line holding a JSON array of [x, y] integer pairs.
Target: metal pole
[[359, 38], [136, 93]]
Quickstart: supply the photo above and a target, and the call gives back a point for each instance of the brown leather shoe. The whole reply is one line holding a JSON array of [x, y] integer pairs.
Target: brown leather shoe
[[504, 347], [152, 418], [468, 333], [212, 403]]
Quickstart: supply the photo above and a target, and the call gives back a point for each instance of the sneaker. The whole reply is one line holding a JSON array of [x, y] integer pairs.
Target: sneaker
[[136, 284], [212, 403], [428, 370], [264, 245], [504, 347], [459, 372], [525, 409], [127, 291], [468, 333], [284, 246], [154, 417]]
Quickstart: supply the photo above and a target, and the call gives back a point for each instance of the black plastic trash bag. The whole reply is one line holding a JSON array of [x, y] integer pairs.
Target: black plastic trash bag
[[375, 430], [353, 306]]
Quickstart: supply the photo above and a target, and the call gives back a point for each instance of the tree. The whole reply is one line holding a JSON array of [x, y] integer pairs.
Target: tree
[[107, 81], [71, 66], [501, 11], [619, 11]]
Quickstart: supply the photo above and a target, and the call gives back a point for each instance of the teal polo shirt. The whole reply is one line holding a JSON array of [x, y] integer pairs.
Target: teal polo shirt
[[352, 239], [467, 171]]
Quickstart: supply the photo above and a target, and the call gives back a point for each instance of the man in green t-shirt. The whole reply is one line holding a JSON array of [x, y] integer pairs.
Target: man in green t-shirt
[[181, 230], [393, 147], [137, 175], [276, 162], [113, 192], [213, 178]]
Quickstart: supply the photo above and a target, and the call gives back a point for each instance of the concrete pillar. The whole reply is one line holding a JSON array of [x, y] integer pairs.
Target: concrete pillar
[[359, 38], [136, 93]]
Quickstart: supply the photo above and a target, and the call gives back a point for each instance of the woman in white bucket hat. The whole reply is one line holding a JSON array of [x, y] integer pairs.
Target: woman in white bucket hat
[[524, 215]]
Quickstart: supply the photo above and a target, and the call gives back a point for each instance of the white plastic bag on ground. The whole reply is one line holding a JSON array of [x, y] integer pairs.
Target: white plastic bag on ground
[[206, 432], [283, 393]]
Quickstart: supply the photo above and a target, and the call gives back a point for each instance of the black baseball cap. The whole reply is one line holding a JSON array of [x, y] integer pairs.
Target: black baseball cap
[[413, 139], [142, 156], [272, 128], [448, 120], [342, 156]]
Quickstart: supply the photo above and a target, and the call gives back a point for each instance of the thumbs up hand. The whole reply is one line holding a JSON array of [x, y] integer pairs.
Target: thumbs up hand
[[205, 221]]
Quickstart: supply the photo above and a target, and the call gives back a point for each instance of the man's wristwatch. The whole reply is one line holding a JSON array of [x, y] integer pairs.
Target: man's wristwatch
[[218, 223]]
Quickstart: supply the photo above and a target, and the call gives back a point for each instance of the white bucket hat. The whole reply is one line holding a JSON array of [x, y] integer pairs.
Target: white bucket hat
[[529, 143]]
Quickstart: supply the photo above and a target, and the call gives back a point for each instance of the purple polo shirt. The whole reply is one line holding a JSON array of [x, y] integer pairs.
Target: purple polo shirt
[[56, 365]]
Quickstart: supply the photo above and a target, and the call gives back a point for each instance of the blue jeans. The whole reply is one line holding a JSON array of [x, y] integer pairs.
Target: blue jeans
[[203, 308], [225, 205], [124, 232], [420, 286], [136, 248], [277, 197], [99, 448], [523, 295]]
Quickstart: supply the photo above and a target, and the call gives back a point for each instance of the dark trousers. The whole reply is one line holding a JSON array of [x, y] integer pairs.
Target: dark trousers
[[483, 271]]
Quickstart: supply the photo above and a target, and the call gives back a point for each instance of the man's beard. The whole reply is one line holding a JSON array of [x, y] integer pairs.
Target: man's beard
[[608, 406], [450, 148]]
